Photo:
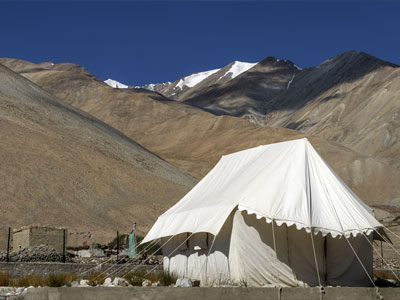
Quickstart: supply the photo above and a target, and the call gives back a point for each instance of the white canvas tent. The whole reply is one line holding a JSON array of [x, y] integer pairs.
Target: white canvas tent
[[249, 221]]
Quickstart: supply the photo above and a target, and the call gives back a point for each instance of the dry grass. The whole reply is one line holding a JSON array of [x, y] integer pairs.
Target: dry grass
[[30, 280], [5, 279], [52, 280]]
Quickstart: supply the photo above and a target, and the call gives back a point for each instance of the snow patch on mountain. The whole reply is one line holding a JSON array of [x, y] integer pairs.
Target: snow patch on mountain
[[290, 81], [298, 68], [151, 86], [115, 84], [192, 80], [238, 68]]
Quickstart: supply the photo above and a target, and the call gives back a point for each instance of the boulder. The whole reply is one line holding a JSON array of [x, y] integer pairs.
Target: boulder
[[84, 282], [146, 282], [74, 283], [118, 281], [183, 282], [108, 282]]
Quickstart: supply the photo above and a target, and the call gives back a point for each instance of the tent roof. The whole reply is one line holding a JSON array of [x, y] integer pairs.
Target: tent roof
[[285, 182]]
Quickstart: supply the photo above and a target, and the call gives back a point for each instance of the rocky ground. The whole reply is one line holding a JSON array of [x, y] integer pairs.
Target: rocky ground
[[12, 293], [44, 253], [387, 264]]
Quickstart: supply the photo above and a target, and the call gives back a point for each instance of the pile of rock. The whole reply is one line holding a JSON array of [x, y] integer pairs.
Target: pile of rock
[[187, 282], [154, 260], [118, 281], [42, 253], [389, 263], [12, 292]]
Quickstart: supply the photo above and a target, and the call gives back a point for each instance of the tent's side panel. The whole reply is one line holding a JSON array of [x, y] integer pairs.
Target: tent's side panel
[[175, 255], [252, 256], [343, 267], [217, 267], [302, 259]]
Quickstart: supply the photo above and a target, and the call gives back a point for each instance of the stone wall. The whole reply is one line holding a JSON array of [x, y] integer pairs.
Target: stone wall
[[21, 269], [168, 293]]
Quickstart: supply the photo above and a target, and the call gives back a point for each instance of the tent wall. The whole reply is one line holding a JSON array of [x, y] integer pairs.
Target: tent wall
[[188, 262], [244, 253], [343, 266], [253, 259]]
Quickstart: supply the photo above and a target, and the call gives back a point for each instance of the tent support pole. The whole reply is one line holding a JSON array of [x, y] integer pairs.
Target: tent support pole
[[315, 256], [310, 215], [273, 237]]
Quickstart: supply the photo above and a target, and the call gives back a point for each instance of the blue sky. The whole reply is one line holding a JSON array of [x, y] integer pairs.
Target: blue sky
[[149, 42]]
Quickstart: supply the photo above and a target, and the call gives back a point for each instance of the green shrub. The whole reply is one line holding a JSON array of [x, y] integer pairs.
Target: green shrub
[[5, 279], [167, 278], [135, 278], [96, 278]]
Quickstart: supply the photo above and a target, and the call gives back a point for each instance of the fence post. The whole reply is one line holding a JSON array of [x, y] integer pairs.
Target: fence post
[[8, 244], [117, 244], [64, 245]]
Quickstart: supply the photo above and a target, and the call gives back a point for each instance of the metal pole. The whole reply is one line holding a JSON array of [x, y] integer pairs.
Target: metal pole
[[64, 246], [117, 244], [134, 238], [8, 244]]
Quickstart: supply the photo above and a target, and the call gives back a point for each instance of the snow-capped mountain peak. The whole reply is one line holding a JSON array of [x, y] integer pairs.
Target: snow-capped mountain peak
[[192, 80], [115, 84], [238, 68]]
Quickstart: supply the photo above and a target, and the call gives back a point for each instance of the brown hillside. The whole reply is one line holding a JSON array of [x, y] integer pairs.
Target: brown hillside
[[194, 140], [62, 167]]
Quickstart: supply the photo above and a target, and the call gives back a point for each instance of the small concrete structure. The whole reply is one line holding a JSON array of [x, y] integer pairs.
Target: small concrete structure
[[31, 236]]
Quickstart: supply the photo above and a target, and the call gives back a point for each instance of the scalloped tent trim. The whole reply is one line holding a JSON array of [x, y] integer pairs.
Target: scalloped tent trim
[[300, 226]]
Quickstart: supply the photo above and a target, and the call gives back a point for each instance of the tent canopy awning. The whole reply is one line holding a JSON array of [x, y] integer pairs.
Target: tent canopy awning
[[288, 183]]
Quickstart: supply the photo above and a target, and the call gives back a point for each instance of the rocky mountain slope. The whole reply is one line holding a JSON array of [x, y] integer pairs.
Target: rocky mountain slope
[[247, 94], [60, 166], [352, 98], [194, 140]]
